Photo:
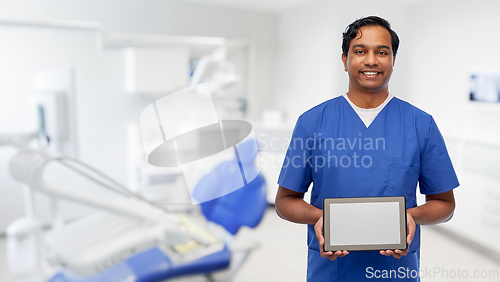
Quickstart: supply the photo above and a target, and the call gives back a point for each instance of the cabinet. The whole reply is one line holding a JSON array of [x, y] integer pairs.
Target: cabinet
[[477, 213]]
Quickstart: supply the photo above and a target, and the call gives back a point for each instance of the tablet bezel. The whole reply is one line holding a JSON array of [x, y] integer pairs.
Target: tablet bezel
[[365, 247]]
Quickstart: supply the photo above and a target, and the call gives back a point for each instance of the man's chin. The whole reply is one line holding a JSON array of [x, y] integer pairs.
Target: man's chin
[[373, 89]]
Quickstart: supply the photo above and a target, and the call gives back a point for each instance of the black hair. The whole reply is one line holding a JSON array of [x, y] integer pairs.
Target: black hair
[[352, 29]]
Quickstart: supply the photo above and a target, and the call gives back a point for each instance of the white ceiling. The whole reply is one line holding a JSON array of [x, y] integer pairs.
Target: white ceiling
[[276, 6], [272, 6]]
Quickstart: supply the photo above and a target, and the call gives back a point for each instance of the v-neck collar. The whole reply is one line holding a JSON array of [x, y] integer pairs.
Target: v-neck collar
[[387, 126], [358, 118]]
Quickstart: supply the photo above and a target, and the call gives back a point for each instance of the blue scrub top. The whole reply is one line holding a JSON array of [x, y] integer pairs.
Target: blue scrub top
[[333, 149]]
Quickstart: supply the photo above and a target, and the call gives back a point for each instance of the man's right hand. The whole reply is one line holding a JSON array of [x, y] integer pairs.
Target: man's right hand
[[318, 228]]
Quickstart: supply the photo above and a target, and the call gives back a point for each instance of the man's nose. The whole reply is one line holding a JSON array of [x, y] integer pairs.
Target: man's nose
[[371, 59]]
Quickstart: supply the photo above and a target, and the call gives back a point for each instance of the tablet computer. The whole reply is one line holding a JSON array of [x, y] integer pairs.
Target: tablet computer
[[364, 224]]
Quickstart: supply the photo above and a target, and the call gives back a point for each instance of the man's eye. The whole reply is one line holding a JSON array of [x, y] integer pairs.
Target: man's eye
[[358, 51], [383, 53]]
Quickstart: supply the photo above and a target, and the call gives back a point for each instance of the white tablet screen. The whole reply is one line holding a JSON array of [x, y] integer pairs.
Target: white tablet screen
[[364, 223]]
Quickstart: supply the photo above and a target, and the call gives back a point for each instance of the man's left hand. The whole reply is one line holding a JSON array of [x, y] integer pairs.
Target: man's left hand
[[411, 226]]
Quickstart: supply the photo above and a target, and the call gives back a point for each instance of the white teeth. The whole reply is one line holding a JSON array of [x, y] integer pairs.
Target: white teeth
[[370, 73]]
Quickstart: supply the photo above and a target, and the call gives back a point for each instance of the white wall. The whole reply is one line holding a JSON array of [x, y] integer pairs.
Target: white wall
[[306, 60], [103, 108], [450, 38]]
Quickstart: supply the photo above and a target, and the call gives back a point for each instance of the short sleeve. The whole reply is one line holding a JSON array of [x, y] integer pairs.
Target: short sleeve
[[296, 173], [436, 170]]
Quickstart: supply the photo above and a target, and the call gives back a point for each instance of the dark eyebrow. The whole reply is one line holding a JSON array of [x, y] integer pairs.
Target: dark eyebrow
[[358, 45], [378, 47]]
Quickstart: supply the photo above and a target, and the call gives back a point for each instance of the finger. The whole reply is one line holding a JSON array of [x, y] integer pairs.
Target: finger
[[411, 229], [318, 229], [326, 254], [384, 253], [396, 256], [319, 234], [387, 253], [392, 253], [401, 252], [409, 238], [320, 222], [335, 255], [323, 253], [343, 253]]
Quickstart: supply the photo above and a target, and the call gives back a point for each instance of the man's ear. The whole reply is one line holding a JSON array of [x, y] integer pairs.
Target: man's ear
[[393, 60], [344, 60]]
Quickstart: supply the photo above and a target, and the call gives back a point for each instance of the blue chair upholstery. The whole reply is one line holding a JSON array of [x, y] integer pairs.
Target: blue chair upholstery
[[243, 207], [151, 266]]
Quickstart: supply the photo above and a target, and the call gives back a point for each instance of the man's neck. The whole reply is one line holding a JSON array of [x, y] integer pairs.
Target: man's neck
[[367, 100]]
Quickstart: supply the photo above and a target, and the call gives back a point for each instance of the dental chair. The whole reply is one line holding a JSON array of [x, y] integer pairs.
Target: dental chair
[[132, 240], [157, 263]]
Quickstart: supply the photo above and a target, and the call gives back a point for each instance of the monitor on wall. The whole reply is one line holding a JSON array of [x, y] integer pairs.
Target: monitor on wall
[[485, 86]]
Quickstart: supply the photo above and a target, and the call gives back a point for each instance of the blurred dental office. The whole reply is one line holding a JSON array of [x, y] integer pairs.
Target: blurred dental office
[[81, 199]]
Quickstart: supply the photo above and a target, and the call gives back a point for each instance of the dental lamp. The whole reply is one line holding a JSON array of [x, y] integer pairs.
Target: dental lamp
[[215, 70]]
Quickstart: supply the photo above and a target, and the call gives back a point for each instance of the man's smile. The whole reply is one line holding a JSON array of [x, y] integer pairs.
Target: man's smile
[[371, 73]]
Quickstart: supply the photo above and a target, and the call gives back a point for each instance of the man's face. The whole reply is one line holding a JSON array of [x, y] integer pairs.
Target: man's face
[[370, 60]]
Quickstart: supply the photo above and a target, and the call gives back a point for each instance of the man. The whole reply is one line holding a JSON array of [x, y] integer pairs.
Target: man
[[366, 143]]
